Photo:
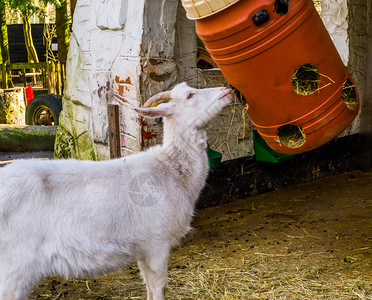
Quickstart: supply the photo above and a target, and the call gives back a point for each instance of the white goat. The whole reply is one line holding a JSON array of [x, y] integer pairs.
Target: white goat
[[83, 218]]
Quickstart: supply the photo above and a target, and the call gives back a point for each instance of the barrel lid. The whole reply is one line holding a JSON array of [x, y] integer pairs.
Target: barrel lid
[[198, 9]]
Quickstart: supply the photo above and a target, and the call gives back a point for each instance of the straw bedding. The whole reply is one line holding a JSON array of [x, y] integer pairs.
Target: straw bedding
[[311, 241]]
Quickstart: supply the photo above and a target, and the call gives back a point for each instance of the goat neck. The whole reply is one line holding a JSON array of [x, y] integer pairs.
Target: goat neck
[[184, 153], [184, 139]]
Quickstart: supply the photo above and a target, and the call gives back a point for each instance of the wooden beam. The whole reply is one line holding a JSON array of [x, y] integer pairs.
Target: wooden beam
[[114, 130], [39, 65]]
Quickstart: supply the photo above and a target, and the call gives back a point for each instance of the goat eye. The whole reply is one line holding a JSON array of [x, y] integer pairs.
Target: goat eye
[[190, 95]]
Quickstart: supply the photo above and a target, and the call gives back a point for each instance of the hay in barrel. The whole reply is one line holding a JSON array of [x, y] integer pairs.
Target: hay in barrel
[[291, 136], [306, 80]]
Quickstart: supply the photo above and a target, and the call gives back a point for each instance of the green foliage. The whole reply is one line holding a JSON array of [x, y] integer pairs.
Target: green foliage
[[63, 30], [30, 7], [4, 50]]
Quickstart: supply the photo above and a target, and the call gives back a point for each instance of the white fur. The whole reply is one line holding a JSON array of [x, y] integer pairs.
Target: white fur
[[83, 218]]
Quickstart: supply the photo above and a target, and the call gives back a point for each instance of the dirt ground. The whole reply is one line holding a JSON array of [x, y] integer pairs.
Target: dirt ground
[[311, 241]]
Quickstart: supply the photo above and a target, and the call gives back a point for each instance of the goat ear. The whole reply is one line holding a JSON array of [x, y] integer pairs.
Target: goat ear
[[162, 110]]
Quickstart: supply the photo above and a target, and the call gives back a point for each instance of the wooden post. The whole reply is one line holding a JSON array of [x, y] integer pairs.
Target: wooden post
[[58, 78], [63, 75], [45, 80], [24, 77], [4, 76], [114, 130], [51, 78], [33, 77]]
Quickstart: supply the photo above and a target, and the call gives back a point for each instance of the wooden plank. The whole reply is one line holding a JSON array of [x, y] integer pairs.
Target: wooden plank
[[39, 65], [33, 74], [114, 130]]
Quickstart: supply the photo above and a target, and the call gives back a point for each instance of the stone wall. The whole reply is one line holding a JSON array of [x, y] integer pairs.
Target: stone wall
[[335, 17], [359, 38], [347, 23]]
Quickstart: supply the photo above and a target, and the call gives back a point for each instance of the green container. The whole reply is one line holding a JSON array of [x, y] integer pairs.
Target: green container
[[264, 153], [214, 159]]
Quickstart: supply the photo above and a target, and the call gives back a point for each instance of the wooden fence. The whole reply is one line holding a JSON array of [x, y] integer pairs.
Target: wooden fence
[[45, 75]]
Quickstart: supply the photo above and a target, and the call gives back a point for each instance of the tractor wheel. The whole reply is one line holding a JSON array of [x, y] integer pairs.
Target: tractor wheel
[[44, 110]]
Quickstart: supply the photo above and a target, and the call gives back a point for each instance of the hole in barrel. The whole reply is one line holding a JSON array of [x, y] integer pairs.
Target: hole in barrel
[[306, 80], [281, 7], [349, 94], [291, 136]]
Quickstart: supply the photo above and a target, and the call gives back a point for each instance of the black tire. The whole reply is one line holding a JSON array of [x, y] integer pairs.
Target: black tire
[[44, 110]]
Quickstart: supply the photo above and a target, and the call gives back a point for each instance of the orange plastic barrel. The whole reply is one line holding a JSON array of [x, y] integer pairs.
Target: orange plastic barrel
[[282, 59]]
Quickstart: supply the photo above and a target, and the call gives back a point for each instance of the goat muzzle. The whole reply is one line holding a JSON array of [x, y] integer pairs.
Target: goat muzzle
[[157, 99]]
